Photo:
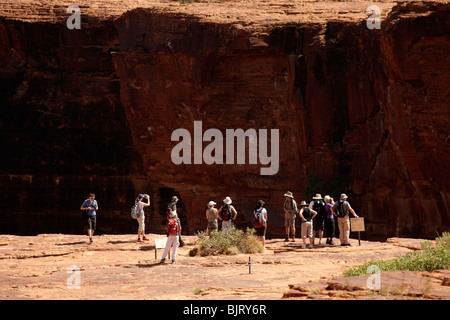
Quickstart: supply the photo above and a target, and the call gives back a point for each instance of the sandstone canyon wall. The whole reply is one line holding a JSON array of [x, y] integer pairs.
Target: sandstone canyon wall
[[94, 109], [64, 132]]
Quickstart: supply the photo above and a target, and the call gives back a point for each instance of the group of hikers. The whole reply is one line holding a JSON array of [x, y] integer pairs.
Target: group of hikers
[[89, 208], [320, 210], [227, 214]]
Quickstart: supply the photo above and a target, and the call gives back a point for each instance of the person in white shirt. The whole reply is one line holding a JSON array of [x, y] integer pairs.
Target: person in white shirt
[[172, 228], [141, 219]]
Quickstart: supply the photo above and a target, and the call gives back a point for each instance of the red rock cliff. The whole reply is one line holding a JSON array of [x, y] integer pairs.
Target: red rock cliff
[[372, 105], [367, 110]]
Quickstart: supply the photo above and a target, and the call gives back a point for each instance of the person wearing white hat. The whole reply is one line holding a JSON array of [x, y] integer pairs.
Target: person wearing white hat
[[227, 213], [341, 210], [318, 205], [329, 219], [212, 214], [307, 215]]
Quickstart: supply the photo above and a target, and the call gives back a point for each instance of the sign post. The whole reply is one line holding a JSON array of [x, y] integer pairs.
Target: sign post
[[357, 225], [160, 243]]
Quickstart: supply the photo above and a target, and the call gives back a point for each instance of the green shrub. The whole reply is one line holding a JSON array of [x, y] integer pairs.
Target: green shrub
[[428, 259], [229, 242]]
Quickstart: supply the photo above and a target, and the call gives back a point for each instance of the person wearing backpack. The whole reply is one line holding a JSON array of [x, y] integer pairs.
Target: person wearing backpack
[[227, 213], [290, 211], [141, 219], [307, 215], [318, 205], [172, 228], [171, 209], [341, 210], [260, 222], [89, 208]]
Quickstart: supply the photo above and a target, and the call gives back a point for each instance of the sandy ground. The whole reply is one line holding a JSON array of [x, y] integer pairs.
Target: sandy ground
[[117, 267]]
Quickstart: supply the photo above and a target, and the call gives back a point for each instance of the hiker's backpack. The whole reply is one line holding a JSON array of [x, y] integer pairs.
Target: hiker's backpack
[[340, 210], [172, 226], [226, 212], [135, 212], [258, 221], [291, 206], [319, 207]]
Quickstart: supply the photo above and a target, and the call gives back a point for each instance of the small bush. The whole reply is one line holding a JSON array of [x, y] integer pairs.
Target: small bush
[[198, 291], [250, 244], [428, 259], [230, 242]]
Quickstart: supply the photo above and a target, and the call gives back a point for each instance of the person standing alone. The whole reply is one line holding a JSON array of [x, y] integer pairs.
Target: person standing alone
[[90, 207]]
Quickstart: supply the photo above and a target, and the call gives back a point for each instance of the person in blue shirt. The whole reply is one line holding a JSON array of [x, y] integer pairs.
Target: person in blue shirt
[[90, 206]]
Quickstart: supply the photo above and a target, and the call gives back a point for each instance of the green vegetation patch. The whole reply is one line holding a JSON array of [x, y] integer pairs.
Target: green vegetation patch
[[427, 259]]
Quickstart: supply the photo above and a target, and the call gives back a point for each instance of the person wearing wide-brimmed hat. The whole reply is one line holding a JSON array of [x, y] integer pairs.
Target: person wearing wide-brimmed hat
[[290, 211], [212, 215], [307, 215], [227, 213], [341, 210], [318, 205]]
